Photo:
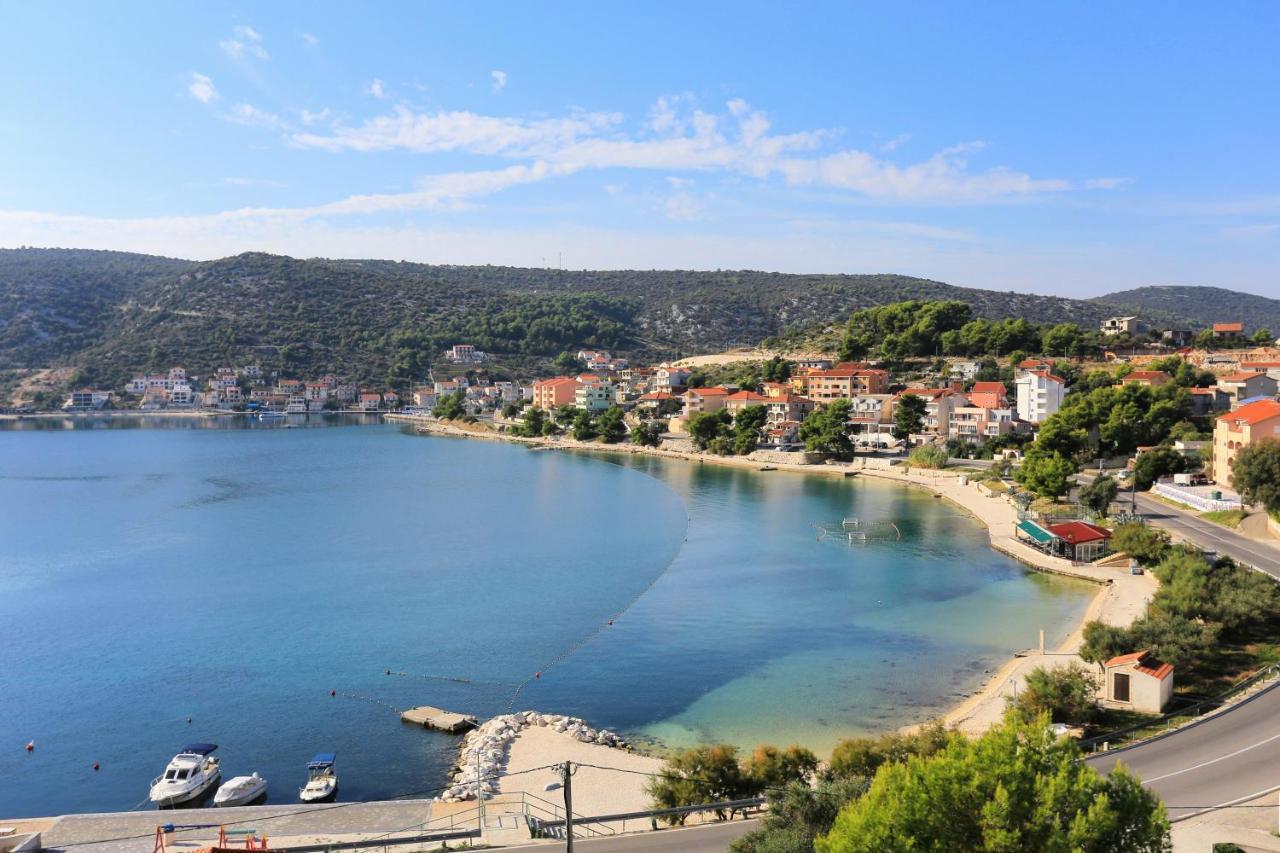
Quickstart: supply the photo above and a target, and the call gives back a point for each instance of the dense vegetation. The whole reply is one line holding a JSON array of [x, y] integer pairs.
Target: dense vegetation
[[113, 313], [1208, 304]]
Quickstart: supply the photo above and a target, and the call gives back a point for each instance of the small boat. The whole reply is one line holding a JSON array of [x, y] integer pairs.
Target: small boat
[[322, 781], [269, 414], [189, 775], [241, 791]]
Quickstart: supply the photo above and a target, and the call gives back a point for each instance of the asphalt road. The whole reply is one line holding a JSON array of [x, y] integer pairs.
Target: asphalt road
[[1229, 758], [696, 839]]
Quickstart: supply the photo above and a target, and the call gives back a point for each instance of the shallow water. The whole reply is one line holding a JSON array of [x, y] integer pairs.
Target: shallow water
[[237, 576]]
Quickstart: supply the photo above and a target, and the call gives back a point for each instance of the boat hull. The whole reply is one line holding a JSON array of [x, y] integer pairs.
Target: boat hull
[[168, 800], [244, 797]]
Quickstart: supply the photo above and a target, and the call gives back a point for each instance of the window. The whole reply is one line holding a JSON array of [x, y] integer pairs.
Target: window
[[1120, 687]]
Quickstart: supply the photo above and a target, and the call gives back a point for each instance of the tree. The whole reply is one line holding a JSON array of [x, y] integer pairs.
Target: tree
[[648, 434], [1066, 695], [1062, 339], [1144, 543], [568, 363], [1256, 475], [611, 426], [584, 426], [703, 774], [1098, 495], [1018, 787], [798, 814], [746, 428], [770, 767], [908, 416], [1263, 337], [827, 430], [705, 427], [1156, 463], [450, 407], [1102, 642], [533, 423], [861, 757], [1046, 474]]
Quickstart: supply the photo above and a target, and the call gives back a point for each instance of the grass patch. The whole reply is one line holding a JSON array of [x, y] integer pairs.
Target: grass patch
[[997, 486], [1226, 517]]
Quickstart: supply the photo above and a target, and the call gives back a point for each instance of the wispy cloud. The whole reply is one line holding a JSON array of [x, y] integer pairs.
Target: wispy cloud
[[253, 182], [681, 137], [251, 116], [201, 88], [1107, 183], [377, 89], [499, 80], [893, 144], [245, 42], [310, 117], [309, 39]]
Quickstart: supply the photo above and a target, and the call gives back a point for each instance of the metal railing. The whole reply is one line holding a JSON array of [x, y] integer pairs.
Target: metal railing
[[730, 806]]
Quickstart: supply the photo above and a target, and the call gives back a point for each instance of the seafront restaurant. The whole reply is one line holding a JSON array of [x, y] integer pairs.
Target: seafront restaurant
[[1078, 541]]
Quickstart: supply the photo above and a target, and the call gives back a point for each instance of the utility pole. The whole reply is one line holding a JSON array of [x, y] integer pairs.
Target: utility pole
[[479, 792], [566, 776]]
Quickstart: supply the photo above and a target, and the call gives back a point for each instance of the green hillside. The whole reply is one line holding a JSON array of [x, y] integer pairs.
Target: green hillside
[[112, 314], [1205, 305]]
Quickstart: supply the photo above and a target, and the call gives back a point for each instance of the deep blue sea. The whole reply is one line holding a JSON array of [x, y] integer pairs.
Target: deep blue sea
[[238, 575]]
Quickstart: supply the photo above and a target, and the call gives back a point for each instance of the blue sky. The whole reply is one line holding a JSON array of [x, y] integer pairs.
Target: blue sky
[[1070, 149]]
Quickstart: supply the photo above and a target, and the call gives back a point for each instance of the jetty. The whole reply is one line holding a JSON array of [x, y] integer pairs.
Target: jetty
[[438, 719]]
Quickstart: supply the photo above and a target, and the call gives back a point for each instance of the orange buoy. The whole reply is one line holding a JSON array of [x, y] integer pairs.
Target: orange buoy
[[31, 746]]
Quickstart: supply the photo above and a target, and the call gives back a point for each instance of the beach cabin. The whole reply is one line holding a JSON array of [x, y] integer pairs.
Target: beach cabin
[[1139, 681], [1080, 541]]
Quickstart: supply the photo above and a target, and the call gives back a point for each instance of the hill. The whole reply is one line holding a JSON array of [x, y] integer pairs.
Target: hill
[[112, 313], [1204, 305]]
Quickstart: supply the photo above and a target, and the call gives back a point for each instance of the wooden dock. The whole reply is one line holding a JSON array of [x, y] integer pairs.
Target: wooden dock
[[438, 719]]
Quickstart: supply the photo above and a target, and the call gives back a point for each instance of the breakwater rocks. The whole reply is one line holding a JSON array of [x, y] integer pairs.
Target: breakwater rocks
[[485, 749]]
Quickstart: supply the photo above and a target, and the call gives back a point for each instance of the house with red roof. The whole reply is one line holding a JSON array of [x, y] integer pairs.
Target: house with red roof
[[1228, 330], [1138, 681], [557, 391], [740, 400], [698, 400], [1150, 378], [1243, 384], [1040, 395], [1080, 541], [1236, 430]]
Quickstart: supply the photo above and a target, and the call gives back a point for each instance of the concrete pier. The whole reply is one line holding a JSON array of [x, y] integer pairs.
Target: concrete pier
[[438, 719]]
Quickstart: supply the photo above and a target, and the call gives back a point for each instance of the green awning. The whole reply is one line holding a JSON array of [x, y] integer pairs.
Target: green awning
[[1036, 532]]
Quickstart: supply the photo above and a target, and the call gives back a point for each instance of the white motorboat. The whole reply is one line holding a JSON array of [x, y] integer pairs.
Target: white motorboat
[[189, 775], [241, 791], [322, 781]]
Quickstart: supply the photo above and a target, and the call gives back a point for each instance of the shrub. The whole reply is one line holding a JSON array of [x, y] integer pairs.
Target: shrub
[[1067, 695], [928, 456]]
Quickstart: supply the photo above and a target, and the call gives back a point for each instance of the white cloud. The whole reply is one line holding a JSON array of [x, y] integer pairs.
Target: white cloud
[[684, 207], [893, 144], [201, 88], [499, 80], [309, 118], [245, 42], [376, 89], [252, 182], [1107, 183], [309, 39], [251, 116]]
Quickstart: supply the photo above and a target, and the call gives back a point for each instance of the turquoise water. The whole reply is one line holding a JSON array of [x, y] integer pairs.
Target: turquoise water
[[237, 576]]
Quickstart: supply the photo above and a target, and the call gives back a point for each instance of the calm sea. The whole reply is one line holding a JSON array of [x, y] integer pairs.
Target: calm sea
[[238, 575]]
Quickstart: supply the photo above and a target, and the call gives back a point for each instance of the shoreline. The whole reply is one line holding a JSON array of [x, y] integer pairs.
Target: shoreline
[[1120, 599]]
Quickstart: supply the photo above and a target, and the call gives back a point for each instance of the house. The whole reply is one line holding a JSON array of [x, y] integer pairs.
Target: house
[[87, 398], [289, 387], [1228, 330], [1242, 385], [1177, 337], [1040, 395], [669, 378], [344, 393], [977, 423], [593, 396], [1149, 378], [1030, 364], [1080, 541], [965, 370], [653, 400], [989, 395], [317, 392], [1139, 681], [181, 394], [155, 397], [178, 374], [1123, 326], [369, 401], [775, 389], [231, 396], [391, 399], [871, 419], [1236, 430], [466, 354], [842, 382], [1271, 368], [812, 362], [939, 404], [551, 393], [697, 400], [251, 372], [1205, 401], [740, 400], [788, 407]]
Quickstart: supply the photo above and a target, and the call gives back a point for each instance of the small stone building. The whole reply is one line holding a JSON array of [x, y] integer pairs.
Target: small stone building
[[1138, 682]]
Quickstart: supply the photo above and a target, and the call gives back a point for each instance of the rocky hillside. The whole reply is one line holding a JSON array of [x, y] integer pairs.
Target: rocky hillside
[[112, 313], [1207, 305]]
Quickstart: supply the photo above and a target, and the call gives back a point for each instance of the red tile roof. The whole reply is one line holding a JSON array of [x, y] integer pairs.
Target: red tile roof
[[1259, 365], [656, 395], [1241, 376], [709, 392], [988, 400], [748, 395], [1079, 532], [990, 388], [1146, 664], [1044, 374], [1228, 327], [1145, 376], [1253, 413], [1031, 363]]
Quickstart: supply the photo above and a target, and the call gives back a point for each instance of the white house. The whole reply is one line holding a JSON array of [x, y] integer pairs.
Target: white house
[[594, 396], [1138, 681], [1040, 395], [1122, 326], [667, 377], [86, 398]]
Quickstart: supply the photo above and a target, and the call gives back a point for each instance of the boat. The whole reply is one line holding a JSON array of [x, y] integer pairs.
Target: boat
[[322, 782], [190, 773], [241, 791], [269, 414]]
